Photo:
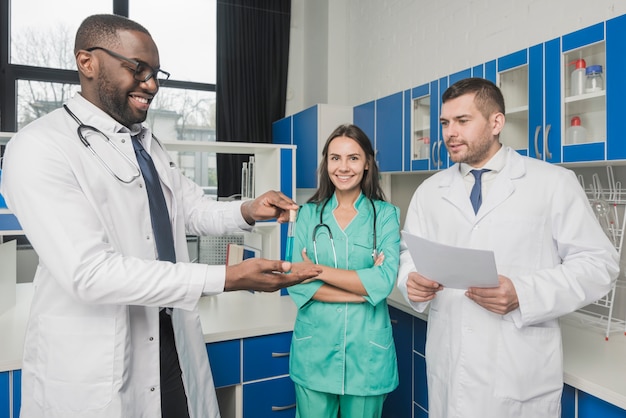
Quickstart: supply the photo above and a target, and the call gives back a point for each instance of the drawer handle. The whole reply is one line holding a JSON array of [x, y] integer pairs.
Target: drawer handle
[[283, 408], [276, 355], [394, 321]]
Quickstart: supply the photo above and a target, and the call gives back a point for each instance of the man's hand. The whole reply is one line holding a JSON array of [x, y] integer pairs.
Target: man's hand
[[420, 289], [270, 205], [267, 275], [500, 300]]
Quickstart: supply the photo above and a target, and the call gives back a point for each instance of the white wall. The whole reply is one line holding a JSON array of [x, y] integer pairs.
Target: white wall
[[352, 51]]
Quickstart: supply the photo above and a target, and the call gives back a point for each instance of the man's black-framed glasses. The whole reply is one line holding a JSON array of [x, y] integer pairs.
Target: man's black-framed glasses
[[143, 72]]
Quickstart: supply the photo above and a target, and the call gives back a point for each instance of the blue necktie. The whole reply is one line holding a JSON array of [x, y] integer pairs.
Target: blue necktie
[[476, 194], [161, 226]]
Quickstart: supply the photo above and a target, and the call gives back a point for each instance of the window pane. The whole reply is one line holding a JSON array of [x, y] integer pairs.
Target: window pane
[[37, 98], [186, 40], [177, 114], [42, 32]]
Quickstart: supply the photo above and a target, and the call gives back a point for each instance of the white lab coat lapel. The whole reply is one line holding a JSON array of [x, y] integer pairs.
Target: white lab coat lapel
[[454, 189], [503, 185]]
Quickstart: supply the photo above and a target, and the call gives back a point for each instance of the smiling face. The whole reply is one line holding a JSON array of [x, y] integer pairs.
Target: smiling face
[[109, 82], [470, 136], [346, 165]]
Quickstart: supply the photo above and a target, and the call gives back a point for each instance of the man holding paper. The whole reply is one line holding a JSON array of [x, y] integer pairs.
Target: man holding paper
[[496, 351]]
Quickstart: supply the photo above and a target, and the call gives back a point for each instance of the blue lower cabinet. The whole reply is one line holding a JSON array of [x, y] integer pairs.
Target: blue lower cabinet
[[420, 385], [398, 403], [419, 412], [17, 392], [269, 398], [225, 360], [592, 407], [568, 402], [266, 356], [5, 396]]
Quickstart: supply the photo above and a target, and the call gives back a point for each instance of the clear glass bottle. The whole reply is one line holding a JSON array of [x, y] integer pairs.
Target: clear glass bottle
[[595, 81]]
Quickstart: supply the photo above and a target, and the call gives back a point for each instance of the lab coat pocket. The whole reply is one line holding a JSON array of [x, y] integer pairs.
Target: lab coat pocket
[[382, 359], [76, 362], [529, 364]]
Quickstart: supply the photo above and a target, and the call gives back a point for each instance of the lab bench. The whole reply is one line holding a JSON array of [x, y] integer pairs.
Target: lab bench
[[248, 336]]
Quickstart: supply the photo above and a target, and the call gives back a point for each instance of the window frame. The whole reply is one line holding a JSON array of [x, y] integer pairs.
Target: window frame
[[11, 73]]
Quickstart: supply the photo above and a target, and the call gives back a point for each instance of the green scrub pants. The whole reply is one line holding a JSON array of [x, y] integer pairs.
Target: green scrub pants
[[312, 404]]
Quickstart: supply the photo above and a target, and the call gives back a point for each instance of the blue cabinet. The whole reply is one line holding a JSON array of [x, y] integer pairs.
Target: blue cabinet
[[269, 398], [398, 403], [5, 396], [364, 116], [388, 142], [266, 356], [225, 360], [10, 393]]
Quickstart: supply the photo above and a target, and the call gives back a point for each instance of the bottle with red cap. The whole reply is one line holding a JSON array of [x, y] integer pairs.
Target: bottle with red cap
[[578, 77], [575, 133]]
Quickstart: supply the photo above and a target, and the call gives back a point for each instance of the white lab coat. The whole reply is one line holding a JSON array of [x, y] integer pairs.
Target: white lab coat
[[537, 220], [91, 346]]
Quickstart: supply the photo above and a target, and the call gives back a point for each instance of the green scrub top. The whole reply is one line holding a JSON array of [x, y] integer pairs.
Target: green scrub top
[[347, 348]]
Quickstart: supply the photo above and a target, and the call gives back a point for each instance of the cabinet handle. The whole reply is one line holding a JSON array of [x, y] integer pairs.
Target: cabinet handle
[[394, 321], [276, 355], [537, 153], [432, 153], [283, 408], [545, 142]]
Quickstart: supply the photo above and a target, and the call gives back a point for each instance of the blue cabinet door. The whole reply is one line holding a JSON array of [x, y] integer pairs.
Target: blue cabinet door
[[589, 151], [592, 407], [420, 384], [266, 356], [364, 116], [305, 138], [389, 133], [225, 361], [398, 403], [5, 403], [274, 398], [438, 151], [615, 82], [419, 121], [281, 131]]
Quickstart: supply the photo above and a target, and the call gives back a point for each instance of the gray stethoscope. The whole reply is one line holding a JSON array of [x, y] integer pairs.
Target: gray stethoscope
[[82, 128], [322, 225]]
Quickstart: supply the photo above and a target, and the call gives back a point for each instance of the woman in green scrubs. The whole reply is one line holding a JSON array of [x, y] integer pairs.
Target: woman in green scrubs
[[343, 358]]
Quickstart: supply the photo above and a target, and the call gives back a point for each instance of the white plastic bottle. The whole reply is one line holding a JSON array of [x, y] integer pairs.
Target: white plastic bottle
[[575, 133], [578, 77]]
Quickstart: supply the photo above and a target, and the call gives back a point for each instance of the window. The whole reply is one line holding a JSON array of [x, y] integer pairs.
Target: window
[[41, 70]]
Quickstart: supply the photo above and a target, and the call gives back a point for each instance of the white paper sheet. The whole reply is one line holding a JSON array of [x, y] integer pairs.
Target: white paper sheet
[[453, 267]]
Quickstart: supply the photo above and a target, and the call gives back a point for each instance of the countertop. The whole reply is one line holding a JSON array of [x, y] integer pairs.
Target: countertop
[[591, 364]]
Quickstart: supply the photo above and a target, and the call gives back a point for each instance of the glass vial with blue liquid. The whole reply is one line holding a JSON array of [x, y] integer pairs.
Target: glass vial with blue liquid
[[291, 232]]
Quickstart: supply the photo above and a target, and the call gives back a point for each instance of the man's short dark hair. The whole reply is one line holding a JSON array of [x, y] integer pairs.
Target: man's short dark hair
[[488, 97], [102, 30]]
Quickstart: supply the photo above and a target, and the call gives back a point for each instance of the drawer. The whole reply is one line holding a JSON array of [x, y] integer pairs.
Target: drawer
[[225, 360], [269, 398], [266, 356]]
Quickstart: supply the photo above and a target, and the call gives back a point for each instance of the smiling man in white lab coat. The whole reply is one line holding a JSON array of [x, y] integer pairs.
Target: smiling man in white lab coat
[[494, 353], [97, 334]]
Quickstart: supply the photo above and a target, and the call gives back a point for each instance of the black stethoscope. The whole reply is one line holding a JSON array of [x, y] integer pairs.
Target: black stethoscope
[[322, 225], [82, 128]]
